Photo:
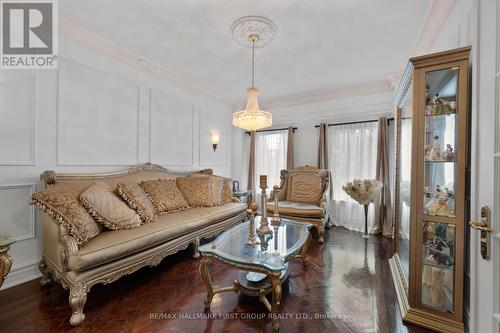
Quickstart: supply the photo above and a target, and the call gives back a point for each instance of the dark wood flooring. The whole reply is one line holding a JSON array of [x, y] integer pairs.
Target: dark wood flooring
[[347, 287]]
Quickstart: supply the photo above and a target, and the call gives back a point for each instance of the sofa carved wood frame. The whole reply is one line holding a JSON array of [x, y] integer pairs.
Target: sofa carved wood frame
[[319, 222], [55, 267]]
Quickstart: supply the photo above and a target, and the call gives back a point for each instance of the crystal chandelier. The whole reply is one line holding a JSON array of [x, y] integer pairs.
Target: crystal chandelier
[[252, 118]]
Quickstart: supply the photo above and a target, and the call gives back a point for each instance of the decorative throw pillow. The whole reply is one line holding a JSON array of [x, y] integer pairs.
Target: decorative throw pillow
[[196, 190], [216, 189], [227, 191], [165, 195], [137, 199], [61, 202], [306, 188], [107, 208]]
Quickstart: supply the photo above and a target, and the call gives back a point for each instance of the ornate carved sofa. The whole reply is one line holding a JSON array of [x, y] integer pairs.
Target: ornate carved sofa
[[305, 196], [113, 254]]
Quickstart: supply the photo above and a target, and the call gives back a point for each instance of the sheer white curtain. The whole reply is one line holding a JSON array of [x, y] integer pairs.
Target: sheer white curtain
[[353, 155], [270, 158]]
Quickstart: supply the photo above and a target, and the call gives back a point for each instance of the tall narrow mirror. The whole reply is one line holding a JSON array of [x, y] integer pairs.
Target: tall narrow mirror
[[401, 238], [404, 184]]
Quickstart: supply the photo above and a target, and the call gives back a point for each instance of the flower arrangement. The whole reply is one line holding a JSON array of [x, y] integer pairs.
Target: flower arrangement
[[363, 191]]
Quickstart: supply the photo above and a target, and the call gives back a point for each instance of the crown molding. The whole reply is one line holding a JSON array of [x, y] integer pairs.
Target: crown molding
[[436, 15], [327, 94], [119, 53]]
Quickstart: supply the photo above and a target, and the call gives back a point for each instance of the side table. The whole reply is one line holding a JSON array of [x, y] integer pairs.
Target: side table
[[241, 194]]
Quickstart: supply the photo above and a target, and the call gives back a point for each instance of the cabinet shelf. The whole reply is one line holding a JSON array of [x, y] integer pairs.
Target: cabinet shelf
[[429, 264], [438, 161], [440, 114]]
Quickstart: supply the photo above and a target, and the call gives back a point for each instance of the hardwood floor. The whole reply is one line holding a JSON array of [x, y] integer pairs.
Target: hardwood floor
[[347, 287]]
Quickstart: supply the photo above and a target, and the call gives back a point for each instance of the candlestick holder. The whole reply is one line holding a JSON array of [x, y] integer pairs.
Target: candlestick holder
[[276, 216], [263, 203], [251, 240]]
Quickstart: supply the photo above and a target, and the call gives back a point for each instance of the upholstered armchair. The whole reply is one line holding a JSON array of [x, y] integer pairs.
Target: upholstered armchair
[[304, 196]]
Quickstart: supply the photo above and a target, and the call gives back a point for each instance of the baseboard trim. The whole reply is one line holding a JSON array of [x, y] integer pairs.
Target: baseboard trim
[[21, 273]]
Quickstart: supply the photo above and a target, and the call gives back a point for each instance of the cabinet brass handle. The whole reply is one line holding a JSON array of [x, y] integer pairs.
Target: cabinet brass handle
[[480, 226]]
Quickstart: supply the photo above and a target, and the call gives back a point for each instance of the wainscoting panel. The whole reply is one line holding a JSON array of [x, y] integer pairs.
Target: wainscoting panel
[[98, 117], [18, 216], [17, 118], [213, 122], [171, 130]]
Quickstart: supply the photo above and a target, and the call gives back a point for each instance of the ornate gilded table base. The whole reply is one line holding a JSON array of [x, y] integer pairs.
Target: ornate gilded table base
[[5, 265], [272, 284], [5, 258]]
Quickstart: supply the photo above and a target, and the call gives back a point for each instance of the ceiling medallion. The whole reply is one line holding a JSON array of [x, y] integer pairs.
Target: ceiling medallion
[[254, 25]]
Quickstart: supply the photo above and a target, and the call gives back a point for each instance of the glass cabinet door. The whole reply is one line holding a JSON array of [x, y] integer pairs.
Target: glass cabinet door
[[440, 142], [439, 181]]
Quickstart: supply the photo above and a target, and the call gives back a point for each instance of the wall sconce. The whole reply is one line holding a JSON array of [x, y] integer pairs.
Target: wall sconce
[[215, 139]]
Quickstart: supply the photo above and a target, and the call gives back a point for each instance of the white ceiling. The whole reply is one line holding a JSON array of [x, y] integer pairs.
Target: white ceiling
[[321, 45]]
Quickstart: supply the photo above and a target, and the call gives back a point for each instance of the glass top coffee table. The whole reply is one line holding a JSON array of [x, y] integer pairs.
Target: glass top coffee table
[[263, 267]]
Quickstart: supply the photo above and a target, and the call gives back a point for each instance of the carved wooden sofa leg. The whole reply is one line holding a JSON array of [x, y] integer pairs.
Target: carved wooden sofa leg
[[45, 279], [321, 233], [77, 299], [196, 244]]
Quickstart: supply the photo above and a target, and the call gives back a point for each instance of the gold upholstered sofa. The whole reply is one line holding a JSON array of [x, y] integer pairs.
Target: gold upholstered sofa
[[304, 195], [111, 254]]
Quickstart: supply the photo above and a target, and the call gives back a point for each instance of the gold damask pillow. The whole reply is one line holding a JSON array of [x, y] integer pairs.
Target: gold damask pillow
[[61, 202], [165, 195], [306, 188], [196, 190], [138, 200], [107, 208], [227, 191], [216, 189]]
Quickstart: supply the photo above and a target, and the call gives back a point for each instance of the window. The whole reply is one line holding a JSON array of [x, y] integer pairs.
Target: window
[[353, 151], [270, 157]]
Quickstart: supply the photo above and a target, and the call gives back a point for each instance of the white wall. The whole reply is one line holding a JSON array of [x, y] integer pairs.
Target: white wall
[[94, 114], [456, 30]]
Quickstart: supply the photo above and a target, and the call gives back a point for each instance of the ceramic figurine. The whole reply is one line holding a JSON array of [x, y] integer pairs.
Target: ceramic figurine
[[435, 153], [438, 106], [427, 152], [439, 204], [448, 153]]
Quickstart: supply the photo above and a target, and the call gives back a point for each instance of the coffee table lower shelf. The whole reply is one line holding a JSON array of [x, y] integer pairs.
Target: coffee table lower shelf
[[271, 284]]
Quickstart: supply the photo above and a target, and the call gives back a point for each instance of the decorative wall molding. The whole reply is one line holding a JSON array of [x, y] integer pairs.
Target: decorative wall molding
[[193, 129], [31, 223], [22, 272], [33, 131], [329, 113], [59, 151], [119, 53], [325, 95]]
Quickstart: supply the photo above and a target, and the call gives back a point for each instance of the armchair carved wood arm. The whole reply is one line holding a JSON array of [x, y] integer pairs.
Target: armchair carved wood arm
[[305, 197]]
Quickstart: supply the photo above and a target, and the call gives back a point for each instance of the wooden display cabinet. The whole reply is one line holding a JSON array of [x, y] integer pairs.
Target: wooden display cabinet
[[433, 97]]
